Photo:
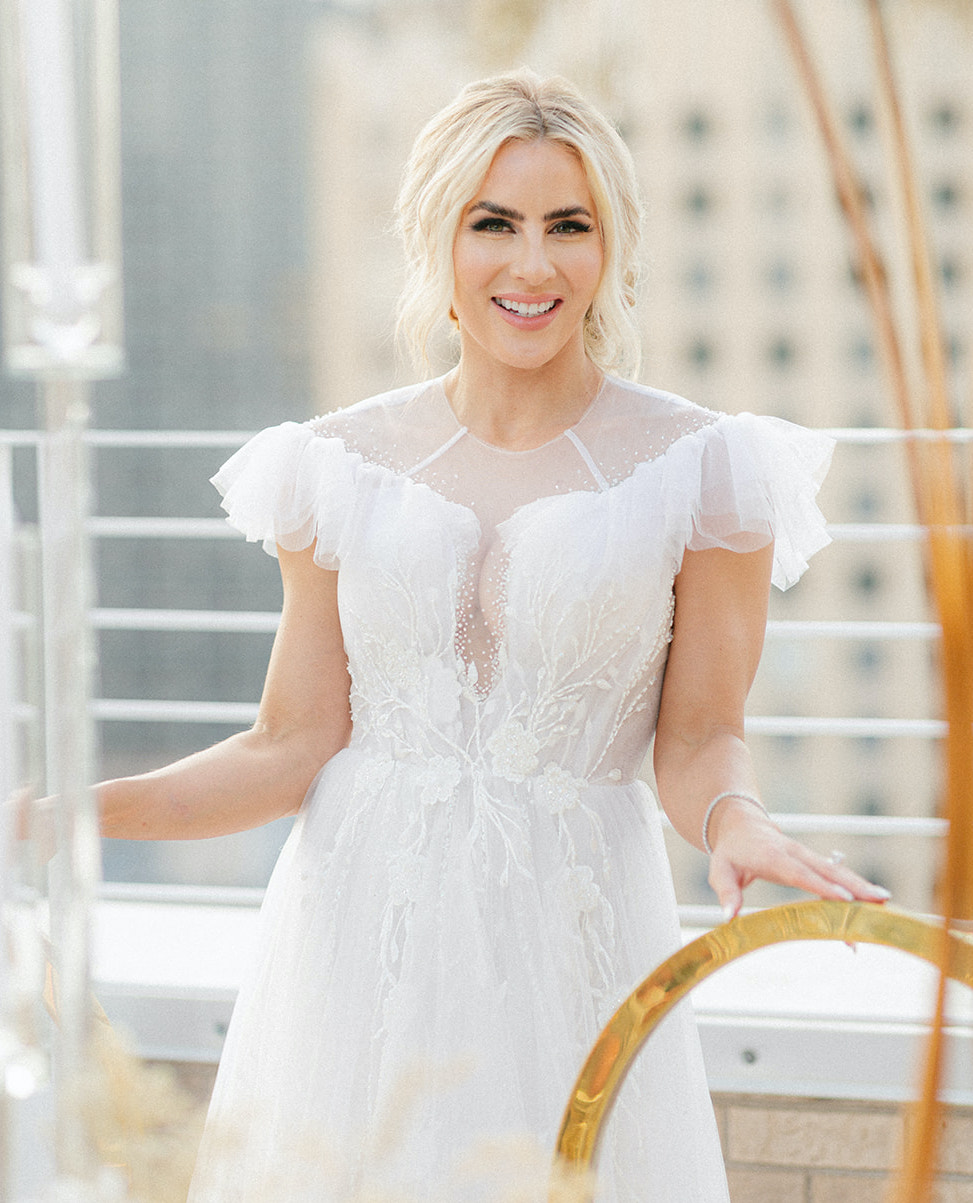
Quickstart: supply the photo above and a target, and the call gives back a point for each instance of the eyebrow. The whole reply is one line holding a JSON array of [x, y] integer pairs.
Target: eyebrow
[[514, 215]]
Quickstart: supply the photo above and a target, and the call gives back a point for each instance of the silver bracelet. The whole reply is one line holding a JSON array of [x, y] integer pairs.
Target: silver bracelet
[[730, 793]]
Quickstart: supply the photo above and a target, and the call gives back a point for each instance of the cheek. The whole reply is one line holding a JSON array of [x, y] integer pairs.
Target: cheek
[[585, 275], [472, 267], [595, 267]]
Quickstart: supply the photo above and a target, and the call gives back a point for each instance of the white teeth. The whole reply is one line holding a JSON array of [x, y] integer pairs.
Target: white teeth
[[523, 310]]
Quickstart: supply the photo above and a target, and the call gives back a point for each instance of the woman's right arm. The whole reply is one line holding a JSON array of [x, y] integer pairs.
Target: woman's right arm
[[264, 773]]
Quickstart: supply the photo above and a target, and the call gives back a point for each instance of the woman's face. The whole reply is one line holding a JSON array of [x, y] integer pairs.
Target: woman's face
[[527, 259]]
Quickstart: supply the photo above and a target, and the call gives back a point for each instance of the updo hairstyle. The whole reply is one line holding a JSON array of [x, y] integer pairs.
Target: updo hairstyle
[[449, 160]]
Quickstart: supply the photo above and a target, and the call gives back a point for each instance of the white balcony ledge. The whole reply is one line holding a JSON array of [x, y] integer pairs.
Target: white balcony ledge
[[803, 1019]]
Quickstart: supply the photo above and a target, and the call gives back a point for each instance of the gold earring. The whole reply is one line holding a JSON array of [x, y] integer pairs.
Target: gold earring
[[452, 316]]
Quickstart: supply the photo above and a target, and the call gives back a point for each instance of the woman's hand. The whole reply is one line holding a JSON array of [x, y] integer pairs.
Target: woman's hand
[[700, 754], [32, 818], [748, 845]]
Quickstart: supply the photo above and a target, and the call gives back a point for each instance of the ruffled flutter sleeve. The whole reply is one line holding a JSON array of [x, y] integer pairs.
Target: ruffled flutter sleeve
[[745, 480], [292, 487]]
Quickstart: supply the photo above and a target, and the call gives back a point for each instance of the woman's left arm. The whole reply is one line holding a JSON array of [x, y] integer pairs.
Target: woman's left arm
[[700, 754]]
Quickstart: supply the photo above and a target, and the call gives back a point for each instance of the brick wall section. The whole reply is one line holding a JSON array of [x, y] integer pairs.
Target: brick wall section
[[786, 1150]]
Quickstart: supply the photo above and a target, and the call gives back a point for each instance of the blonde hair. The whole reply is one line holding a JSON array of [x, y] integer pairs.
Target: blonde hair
[[449, 160]]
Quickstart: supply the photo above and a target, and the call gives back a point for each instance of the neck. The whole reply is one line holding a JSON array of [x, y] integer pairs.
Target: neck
[[518, 408]]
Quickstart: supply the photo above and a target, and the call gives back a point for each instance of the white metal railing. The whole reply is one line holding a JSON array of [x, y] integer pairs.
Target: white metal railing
[[239, 714], [178, 620]]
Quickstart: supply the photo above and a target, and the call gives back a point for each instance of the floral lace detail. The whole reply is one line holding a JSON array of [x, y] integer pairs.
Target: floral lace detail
[[372, 775], [439, 779], [579, 890], [506, 618], [402, 665], [405, 877], [558, 789], [514, 751]]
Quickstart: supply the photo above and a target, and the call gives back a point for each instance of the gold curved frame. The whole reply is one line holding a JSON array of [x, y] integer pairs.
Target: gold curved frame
[[621, 1039]]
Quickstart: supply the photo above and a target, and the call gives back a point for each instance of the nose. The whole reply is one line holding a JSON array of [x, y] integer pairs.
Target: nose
[[533, 263]]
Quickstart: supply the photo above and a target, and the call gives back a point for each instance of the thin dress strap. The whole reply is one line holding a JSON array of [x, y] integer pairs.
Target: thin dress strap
[[431, 459], [586, 456]]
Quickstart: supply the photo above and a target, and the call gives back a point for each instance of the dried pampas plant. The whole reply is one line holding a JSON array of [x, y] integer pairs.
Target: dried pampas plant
[[941, 495], [145, 1129], [139, 1120]]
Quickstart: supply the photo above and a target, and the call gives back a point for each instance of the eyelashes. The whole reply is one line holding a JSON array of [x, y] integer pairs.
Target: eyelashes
[[499, 225], [492, 225]]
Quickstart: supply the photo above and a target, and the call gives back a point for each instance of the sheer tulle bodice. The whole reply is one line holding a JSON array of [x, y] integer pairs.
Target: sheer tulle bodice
[[506, 617], [492, 598]]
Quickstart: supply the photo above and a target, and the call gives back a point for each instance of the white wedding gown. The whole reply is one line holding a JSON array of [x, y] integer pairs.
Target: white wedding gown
[[479, 878]]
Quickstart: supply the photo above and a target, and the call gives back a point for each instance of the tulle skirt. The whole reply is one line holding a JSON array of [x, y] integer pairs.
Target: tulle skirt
[[426, 990]]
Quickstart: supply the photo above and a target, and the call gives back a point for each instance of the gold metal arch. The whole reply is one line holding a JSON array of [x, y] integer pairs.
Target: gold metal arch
[[623, 1036]]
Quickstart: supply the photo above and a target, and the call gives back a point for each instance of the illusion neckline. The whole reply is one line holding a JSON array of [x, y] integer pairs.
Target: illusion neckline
[[461, 429]]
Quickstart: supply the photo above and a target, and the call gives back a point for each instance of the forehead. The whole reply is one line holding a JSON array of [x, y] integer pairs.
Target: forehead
[[536, 168]]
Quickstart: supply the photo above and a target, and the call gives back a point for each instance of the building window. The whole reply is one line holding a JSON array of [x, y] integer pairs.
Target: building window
[[781, 352], [867, 580], [699, 278], [866, 504], [947, 196], [861, 353], [780, 276], [945, 118], [697, 126], [699, 201], [868, 659], [701, 353], [778, 121], [861, 119], [871, 802], [950, 271]]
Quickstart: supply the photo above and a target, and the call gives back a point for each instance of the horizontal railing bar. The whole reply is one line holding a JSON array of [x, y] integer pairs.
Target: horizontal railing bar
[[138, 438], [860, 435], [148, 710], [866, 825], [248, 621], [854, 728], [218, 528], [161, 528], [166, 711], [865, 435], [820, 628], [134, 619], [810, 824], [886, 532], [184, 895], [168, 438]]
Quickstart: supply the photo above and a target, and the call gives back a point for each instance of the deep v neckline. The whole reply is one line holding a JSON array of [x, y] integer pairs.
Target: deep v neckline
[[493, 494]]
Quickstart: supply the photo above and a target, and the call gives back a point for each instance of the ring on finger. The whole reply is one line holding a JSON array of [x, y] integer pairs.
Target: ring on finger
[[836, 858]]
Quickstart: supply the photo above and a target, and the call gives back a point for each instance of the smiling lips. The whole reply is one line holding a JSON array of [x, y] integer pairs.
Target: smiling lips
[[525, 308]]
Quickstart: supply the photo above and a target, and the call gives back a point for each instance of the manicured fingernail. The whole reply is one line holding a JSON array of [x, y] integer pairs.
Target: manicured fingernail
[[728, 914], [881, 893], [847, 895]]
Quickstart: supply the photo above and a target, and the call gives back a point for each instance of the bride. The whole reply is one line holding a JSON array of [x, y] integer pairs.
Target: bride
[[501, 587]]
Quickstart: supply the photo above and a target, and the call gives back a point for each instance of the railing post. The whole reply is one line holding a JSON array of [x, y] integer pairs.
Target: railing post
[[62, 328]]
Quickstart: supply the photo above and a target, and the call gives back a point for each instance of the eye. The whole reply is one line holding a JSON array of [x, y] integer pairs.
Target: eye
[[491, 225], [571, 227]]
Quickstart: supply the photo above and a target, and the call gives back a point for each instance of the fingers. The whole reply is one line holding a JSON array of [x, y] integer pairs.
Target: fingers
[[769, 855], [727, 886], [833, 879]]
